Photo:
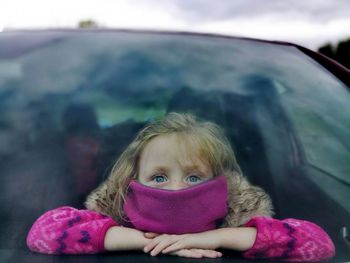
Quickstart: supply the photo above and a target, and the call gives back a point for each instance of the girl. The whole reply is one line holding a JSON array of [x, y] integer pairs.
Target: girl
[[177, 189]]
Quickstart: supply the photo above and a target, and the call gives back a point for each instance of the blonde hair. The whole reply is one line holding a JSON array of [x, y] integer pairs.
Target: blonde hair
[[206, 138]]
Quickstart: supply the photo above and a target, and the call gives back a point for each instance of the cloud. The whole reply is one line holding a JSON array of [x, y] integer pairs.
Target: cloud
[[307, 22], [66, 13], [275, 27], [208, 10]]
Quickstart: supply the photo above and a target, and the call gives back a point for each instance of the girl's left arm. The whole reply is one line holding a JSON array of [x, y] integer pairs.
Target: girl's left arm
[[289, 240]]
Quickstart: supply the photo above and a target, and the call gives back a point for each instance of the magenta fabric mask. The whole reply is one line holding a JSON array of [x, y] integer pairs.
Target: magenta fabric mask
[[194, 209]]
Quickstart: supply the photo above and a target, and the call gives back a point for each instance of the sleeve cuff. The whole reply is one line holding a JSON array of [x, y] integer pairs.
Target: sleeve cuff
[[101, 242], [255, 222], [289, 240]]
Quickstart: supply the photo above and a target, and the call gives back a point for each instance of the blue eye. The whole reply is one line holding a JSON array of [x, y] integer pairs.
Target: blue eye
[[159, 179], [193, 179]]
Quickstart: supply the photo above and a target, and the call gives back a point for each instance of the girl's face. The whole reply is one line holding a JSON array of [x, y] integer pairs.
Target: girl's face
[[163, 165]]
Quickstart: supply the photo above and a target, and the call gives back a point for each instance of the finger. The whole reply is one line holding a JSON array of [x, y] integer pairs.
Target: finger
[[187, 253], [183, 242], [155, 241], [208, 253], [174, 247], [150, 235], [162, 245]]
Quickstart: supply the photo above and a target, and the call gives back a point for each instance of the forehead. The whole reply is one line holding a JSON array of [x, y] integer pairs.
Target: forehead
[[173, 147]]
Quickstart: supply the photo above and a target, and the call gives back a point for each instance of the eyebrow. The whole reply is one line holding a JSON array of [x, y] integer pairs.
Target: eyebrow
[[192, 167], [203, 170], [159, 169], [187, 168]]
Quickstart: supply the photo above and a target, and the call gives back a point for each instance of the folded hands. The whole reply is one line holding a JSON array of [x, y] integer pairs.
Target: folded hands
[[197, 245]]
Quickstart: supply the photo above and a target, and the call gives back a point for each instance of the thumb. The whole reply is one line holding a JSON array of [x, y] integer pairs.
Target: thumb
[[150, 235]]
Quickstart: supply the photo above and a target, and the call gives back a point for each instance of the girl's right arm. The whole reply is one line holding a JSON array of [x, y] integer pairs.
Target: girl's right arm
[[67, 230]]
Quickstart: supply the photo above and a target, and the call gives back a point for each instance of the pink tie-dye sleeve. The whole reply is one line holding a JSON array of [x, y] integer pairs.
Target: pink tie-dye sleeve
[[289, 240], [67, 230]]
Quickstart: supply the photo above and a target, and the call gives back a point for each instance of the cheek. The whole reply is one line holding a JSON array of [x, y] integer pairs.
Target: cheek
[[140, 176], [141, 179]]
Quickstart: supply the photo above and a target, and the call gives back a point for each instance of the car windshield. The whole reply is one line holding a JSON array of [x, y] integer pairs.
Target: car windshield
[[71, 102]]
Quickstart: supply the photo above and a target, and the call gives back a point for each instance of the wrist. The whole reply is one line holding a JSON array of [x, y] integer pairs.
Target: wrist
[[237, 238], [124, 238]]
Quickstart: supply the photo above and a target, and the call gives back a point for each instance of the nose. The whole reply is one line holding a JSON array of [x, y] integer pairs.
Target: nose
[[177, 185]]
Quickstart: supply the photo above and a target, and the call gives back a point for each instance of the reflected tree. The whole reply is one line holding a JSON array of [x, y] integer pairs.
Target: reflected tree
[[340, 53], [88, 23]]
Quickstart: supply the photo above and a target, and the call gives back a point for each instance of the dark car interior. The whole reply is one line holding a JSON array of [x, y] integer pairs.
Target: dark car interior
[[55, 151]]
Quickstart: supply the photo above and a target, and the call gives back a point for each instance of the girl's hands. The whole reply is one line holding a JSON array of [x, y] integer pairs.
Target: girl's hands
[[187, 245]]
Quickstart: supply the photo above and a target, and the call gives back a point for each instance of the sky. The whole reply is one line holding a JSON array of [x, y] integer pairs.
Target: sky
[[310, 23]]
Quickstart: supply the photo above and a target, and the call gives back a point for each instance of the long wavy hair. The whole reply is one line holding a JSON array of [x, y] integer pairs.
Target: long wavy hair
[[205, 139]]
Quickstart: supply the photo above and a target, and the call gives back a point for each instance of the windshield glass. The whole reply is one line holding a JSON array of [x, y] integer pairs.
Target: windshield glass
[[70, 103]]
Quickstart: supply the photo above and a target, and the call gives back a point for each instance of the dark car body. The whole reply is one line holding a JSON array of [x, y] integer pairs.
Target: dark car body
[[71, 101]]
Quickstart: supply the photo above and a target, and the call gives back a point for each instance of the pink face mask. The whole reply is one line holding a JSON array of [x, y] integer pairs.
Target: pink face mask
[[194, 209]]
